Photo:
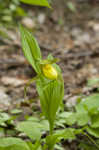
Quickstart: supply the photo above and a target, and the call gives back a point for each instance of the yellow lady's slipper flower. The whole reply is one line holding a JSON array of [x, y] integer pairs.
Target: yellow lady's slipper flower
[[49, 71]]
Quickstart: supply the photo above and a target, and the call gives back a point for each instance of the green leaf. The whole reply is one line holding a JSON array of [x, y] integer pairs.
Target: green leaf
[[59, 135], [91, 103], [4, 34], [93, 81], [16, 111], [82, 118], [51, 59], [71, 6], [87, 108], [20, 12], [69, 117], [2, 132], [86, 146], [31, 146], [31, 129], [82, 115], [13, 144], [95, 121], [67, 133], [36, 146], [4, 117], [31, 49], [31, 118], [51, 95], [60, 123], [59, 147], [93, 131], [43, 123], [37, 2]]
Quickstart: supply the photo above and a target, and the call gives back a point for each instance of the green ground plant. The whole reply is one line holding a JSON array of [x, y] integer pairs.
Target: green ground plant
[[50, 87], [10, 10], [55, 124]]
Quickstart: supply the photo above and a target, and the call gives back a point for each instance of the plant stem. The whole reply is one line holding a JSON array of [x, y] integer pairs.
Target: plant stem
[[50, 134], [51, 129], [91, 140], [28, 83]]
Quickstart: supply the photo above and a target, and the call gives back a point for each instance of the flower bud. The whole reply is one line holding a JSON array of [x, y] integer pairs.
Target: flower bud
[[49, 71]]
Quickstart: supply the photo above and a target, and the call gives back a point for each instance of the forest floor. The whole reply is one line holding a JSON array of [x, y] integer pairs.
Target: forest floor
[[71, 37]]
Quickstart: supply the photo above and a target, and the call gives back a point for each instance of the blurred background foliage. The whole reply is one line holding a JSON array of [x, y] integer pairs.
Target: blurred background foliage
[[9, 11], [12, 11]]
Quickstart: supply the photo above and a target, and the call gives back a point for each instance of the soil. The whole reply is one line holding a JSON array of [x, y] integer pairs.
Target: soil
[[73, 37]]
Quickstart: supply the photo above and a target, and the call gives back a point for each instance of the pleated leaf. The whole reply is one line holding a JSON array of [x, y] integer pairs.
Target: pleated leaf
[[37, 2], [30, 48], [51, 95]]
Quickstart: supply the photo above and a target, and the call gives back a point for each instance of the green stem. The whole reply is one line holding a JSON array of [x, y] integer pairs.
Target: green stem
[[51, 129], [28, 83], [91, 139], [44, 147]]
